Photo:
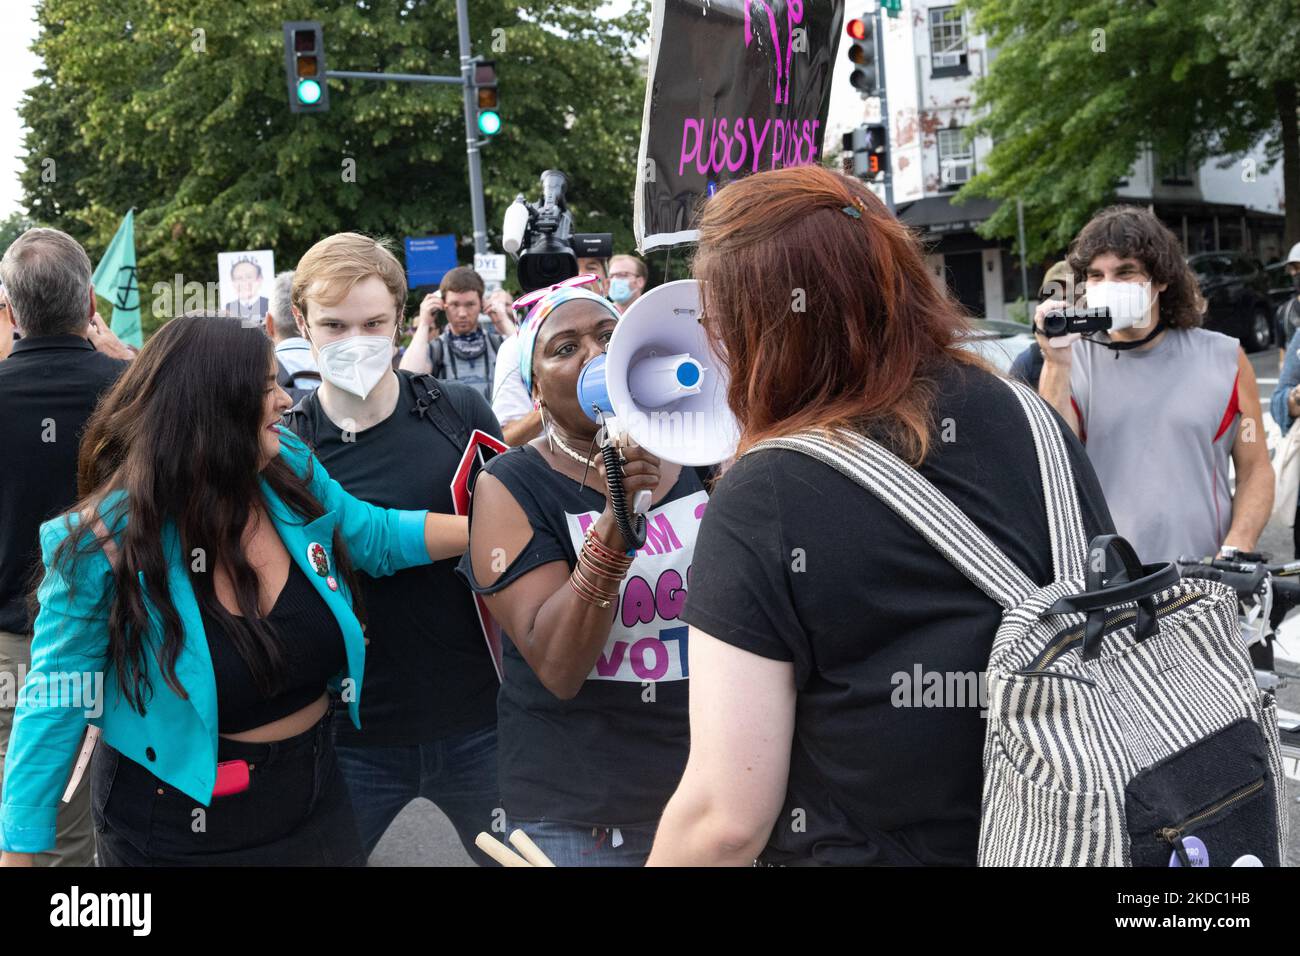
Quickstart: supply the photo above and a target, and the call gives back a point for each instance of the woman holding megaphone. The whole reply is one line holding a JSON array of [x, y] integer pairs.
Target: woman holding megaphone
[[592, 717]]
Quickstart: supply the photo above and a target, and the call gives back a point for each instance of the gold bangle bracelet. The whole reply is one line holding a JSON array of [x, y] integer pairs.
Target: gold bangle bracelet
[[589, 600], [593, 586], [602, 549], [603, 568], [590, 594]]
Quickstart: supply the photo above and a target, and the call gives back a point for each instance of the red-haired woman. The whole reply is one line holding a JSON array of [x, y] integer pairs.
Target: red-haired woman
[[811, 601]]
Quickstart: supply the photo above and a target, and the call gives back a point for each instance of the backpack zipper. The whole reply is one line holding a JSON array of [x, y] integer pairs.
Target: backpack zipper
[[1054, 650], [1174, 835]]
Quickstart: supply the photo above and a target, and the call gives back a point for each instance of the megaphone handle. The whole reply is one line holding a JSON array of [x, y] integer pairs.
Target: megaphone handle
[[641, 503], [632, 526]]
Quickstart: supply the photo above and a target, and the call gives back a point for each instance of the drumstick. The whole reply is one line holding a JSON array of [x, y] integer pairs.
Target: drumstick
[[529, 850], [499, 851]]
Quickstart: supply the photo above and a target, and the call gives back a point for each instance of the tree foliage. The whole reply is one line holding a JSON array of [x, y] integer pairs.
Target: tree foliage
[[1078, 88], [180, 109]]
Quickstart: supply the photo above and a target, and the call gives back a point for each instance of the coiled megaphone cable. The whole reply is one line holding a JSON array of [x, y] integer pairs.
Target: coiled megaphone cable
[[633, 535], [630, 523]]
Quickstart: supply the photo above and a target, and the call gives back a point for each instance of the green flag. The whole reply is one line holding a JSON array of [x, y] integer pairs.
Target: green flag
[[115, 280]]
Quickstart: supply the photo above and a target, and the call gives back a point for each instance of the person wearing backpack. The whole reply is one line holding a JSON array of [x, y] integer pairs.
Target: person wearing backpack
[[818, 614], [428, 719], [466, 349]]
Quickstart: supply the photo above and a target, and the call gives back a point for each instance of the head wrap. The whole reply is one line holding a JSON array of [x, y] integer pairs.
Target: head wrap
[[539, 313]]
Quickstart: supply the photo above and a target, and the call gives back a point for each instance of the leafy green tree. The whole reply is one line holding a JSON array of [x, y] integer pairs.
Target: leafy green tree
[[11, 227], [1077, 88], [181, 110], [1262, 41]]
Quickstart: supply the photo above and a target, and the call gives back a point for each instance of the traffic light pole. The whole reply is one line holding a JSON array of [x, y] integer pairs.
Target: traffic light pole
[[472, 142], [471, 130], [884, 107]]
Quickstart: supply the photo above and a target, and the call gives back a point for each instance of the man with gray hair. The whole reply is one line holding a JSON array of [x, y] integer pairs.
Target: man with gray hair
[[297, 367], [49, 386]]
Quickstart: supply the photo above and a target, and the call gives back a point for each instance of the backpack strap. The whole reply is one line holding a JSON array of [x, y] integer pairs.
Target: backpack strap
[[432, 402], [933, 515], [300, 423], [283, 377], [919, 503], [1060, 497], [437, 361]]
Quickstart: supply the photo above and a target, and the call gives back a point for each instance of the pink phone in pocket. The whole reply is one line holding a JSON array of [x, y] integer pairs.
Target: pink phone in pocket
[[232, 777]]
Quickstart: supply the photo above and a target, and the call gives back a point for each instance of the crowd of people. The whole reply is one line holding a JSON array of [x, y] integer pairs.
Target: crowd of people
[[241, 542]]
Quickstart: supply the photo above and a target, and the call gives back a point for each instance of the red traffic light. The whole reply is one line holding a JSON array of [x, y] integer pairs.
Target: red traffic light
[[857, 29]]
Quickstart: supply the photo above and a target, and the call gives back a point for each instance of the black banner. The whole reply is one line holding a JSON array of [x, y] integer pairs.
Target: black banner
[[735, 87]]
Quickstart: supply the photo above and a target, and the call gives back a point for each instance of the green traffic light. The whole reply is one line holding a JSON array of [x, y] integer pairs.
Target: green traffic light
[[489, 122], [308, 92]]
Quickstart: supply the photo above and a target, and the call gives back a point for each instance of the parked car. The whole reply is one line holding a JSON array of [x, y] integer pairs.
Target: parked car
[[998, 341], [1236, 291]]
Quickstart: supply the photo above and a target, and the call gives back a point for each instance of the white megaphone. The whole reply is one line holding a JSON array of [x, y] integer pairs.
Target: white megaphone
[[660, 384]]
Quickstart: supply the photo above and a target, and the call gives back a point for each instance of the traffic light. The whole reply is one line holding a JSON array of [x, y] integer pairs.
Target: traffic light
[[862, 52], [867, 144], [304, 67], [485, 87]]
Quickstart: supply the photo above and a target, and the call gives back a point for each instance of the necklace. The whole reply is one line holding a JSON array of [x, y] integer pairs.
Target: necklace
[[588, 462]]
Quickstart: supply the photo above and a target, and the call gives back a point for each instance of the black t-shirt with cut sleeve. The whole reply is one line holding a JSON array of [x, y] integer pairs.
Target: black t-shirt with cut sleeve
[[613, 754], [798, 563]]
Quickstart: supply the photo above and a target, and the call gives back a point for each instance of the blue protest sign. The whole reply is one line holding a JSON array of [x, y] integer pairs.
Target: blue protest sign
[[429, 258]]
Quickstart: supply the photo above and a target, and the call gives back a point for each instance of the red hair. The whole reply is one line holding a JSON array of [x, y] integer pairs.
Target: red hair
[[826, 318]]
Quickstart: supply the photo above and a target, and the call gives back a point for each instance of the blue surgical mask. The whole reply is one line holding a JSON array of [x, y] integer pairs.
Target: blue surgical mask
[[620, 290]]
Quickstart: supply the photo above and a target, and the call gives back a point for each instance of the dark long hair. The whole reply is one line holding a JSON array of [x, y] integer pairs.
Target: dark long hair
[[1134, 232], [180, 434], [822, 303]]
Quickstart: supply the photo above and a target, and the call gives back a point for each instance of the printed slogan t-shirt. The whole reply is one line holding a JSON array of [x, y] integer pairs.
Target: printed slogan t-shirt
[[613, 754]]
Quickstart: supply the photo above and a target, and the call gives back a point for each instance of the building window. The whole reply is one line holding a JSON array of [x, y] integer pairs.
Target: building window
[[956, 158], [1176, 171], [947, 42]]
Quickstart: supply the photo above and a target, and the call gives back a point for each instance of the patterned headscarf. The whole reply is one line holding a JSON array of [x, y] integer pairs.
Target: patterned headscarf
[[540, 312]]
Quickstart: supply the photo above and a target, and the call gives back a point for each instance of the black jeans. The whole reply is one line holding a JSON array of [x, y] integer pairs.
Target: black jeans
[[295, 812]]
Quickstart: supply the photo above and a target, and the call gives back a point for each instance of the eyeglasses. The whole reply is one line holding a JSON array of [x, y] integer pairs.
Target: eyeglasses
[[524, 301]]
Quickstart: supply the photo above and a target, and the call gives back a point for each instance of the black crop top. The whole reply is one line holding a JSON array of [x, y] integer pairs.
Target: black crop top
[[313, 649]]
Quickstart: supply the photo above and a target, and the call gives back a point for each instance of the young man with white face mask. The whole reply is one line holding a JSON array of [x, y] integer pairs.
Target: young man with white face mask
[[428, 717], [1160, 403]]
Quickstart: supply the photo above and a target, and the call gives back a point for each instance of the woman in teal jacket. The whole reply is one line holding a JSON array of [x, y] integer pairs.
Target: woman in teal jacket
[[195, 606]]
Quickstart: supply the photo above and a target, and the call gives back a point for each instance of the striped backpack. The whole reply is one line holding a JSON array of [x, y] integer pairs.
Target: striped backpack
[[1124, 724]]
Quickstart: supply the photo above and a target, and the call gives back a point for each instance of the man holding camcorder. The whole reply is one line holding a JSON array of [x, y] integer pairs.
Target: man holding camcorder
[[1160, 403]]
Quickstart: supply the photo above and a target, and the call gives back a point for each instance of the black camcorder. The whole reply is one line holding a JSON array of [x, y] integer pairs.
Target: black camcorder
[[541, 237], [1084, 321]]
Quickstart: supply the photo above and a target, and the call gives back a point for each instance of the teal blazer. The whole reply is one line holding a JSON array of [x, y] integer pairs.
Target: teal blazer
[[176, 738]]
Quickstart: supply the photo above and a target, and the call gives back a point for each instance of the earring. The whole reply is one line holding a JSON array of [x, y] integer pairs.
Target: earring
[[541, 408]]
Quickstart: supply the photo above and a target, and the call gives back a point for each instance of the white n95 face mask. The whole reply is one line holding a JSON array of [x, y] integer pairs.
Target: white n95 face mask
[[1128, 302], [356, 364]]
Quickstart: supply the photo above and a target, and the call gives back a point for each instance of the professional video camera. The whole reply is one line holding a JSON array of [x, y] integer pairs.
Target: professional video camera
[[541, 237], [1084, 321]]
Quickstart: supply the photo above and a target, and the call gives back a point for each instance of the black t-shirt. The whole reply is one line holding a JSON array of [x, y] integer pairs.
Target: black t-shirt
[[798, 563], [613, 754], [428, 671], [49, 385]]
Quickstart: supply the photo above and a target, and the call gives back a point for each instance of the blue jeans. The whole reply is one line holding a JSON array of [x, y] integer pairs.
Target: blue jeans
[[458, 774], [567, 844]]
